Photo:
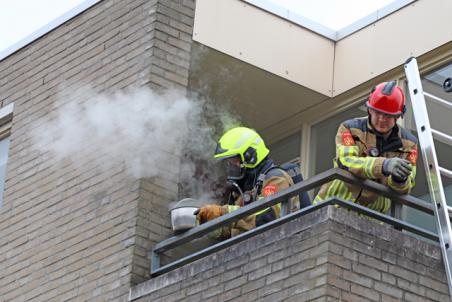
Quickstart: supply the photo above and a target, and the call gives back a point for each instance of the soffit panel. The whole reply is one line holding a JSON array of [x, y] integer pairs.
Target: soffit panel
[[261, 99], [266, 41]]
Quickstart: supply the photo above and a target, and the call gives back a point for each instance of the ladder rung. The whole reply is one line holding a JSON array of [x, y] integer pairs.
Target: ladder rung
[[445, 172], [438, 100], [447, 139]]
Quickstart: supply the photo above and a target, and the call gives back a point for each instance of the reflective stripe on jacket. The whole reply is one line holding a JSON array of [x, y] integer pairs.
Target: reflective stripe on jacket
[[362, 152]]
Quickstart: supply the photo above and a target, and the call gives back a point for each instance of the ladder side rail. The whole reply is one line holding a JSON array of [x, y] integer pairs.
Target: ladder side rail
[[431, 165]]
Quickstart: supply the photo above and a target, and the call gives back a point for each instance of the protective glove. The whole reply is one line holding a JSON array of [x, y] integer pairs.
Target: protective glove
[[209, 212], [399, 168]]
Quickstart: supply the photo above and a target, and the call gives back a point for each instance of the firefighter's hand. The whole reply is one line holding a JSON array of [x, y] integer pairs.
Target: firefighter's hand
[[208, 212], [399, 168]]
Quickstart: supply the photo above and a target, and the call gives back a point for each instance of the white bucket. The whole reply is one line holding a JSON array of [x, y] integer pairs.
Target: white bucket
[[182, 214]]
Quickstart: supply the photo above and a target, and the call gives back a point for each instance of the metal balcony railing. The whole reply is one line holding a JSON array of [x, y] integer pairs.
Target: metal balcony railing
[[398, 200]]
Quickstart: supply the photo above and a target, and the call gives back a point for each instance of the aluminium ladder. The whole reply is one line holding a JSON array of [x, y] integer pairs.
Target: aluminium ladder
[[432, 169]]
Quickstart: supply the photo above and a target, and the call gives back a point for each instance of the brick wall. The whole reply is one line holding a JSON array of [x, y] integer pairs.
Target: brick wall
[[328, 255], [82, 233], [169, 68]]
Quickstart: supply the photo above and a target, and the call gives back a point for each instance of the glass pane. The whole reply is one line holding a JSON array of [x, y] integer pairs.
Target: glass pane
[[323, 147], [440, 116], [4, 147], [286, 149]]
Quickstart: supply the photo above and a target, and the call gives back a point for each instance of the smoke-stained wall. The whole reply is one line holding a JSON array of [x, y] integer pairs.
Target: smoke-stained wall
[[91, 166]]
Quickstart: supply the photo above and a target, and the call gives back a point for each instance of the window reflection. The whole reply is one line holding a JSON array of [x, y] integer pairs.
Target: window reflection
[[4, 147], [286, 149]]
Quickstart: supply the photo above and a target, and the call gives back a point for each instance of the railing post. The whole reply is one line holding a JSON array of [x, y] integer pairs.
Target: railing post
[[396, 212], [285, 208], [155, 261]]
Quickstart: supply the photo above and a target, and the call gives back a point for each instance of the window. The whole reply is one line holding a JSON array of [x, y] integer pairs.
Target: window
[[322, 147], [6, 114], [4, 146], [287, 149]]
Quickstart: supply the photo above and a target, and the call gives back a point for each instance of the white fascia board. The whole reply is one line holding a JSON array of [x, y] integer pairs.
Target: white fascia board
[[372, 18], [294, 18], [47, 28], [324, 30]]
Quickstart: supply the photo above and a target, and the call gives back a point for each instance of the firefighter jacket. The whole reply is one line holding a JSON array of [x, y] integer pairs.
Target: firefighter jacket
[[274, 180], [362, 151]]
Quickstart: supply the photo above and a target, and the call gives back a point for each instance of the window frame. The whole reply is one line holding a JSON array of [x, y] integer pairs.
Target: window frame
[[6, 117]]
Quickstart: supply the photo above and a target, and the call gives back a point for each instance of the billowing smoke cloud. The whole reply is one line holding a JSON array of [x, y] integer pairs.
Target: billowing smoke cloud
[[142, 130]]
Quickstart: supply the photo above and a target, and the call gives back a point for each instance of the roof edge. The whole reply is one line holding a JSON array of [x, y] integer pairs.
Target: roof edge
[[293, 17], [372, 18], [324, 30], [47, 28]]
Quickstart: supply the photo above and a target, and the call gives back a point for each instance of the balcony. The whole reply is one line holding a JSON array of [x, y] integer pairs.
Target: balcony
[[319, 252]]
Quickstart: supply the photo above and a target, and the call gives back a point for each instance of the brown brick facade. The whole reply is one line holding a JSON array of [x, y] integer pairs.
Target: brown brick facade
[[80, 232]]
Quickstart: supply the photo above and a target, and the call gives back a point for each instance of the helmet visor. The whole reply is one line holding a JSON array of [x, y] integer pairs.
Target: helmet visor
[[386, 113], [235, 169]]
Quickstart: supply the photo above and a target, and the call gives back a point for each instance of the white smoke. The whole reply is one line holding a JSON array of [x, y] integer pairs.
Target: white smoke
[[142, 130]]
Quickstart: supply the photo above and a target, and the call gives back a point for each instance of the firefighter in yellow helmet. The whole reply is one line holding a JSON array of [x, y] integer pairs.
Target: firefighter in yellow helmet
[[376, 148], [254, 176]]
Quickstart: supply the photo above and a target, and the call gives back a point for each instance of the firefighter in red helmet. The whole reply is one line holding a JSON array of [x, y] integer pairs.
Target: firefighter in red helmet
[[376, 148]]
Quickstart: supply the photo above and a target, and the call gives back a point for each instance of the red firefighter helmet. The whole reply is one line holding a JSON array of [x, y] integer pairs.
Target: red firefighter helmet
[[387, 98]]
